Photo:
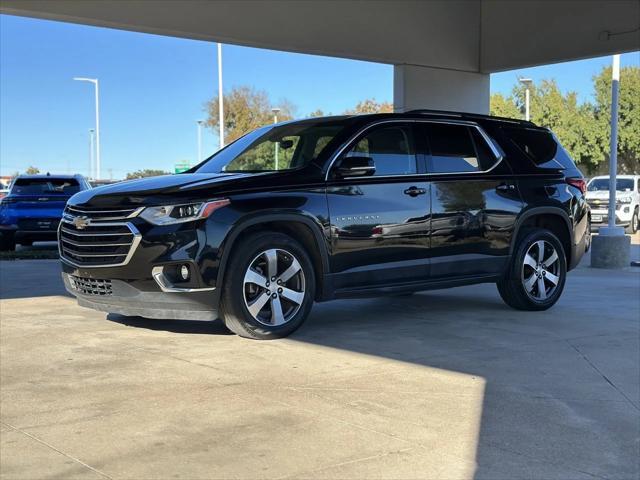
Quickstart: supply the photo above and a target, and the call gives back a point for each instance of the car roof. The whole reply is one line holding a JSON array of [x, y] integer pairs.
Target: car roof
[[364, 118]]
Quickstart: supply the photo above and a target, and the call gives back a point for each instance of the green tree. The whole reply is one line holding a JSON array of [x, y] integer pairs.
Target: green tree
[[503, 107], [31, 170], [246, 109], [370, 105], [147, 172], [583, 128], [573, 123], [628, 117]]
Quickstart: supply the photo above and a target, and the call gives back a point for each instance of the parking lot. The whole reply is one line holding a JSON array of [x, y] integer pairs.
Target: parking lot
[[445, 384]]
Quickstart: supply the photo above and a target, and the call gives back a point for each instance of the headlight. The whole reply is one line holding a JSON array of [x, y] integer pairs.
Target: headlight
[[188, 212], [624, 199]]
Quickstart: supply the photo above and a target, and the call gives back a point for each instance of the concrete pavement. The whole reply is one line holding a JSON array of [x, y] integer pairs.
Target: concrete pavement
[[447, 384]]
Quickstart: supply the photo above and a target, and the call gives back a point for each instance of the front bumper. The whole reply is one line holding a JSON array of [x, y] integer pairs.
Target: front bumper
[[599, 218], [120, 297]]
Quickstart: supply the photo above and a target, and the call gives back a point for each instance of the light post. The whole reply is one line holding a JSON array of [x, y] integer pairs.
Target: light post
[[612, 248], [91, 151], [220, 98], [613, 151], [527, 83], [275, 120], [95, 84], [200, 123]]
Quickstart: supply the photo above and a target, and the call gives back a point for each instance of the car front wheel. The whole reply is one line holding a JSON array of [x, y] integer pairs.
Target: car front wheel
[[537, 273], [270, 287]]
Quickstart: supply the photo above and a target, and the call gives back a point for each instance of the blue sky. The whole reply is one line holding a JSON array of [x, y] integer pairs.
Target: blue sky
[[153, 88]]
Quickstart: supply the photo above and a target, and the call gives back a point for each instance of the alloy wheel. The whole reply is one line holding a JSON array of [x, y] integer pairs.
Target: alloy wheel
[[540, 271], [274, 287]]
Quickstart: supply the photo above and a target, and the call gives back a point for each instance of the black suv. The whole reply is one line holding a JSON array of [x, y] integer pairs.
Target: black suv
[[334, 207]]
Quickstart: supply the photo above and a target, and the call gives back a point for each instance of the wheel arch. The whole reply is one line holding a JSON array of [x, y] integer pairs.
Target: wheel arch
[[552, 218], [298, 226]]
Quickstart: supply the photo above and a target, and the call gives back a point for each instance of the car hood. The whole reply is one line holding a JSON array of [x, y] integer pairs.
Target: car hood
[[162, 189]]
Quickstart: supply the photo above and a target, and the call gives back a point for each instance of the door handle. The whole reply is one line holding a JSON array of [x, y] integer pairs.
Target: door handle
[[505, 187], [415, 191]]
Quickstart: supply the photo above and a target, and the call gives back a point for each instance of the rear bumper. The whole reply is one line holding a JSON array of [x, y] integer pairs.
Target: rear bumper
[[124, 299], [36, 229]]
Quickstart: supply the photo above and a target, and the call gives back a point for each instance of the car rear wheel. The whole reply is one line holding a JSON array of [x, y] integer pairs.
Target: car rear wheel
[[634, 224], [537, 273], [269, 288], [7, 241]]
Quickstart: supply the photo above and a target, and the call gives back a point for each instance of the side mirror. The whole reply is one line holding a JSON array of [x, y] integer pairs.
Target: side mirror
[[355, 166]]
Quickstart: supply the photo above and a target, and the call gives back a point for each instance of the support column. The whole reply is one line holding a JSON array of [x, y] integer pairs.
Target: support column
[[417, 87]]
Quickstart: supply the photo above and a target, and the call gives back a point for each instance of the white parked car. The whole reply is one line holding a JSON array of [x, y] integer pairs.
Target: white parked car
[[627, 201]]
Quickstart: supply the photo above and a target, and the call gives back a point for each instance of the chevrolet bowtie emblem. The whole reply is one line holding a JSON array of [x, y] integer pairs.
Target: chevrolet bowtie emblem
[[81, 222]]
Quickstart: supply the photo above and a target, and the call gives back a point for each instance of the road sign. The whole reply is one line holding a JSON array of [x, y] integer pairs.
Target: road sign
[[181, 167]]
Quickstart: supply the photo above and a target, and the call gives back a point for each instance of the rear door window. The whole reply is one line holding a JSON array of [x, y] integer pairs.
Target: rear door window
[[457, 149], [45, 186]]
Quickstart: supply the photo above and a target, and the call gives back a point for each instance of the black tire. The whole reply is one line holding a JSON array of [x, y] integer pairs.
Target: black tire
[[512, 287], [7, 242], [633, 224], [234, 310]]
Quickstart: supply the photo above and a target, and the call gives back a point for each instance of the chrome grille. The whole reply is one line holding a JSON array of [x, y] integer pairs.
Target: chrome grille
[[598, 205], [91, 286], [103, 213], [88, 238]]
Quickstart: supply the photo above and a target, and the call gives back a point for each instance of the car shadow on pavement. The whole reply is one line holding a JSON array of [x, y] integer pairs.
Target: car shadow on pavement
[[546, 411], [215, 327]]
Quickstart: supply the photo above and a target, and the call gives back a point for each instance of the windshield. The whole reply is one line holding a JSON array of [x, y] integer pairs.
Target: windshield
[[267, 149], [602, 184], [39, 186]]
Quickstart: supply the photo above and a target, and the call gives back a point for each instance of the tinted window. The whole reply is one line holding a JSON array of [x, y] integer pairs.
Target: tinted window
[[391, 149], [38, 186], [541, 147], [452, 149], [270, 148], [485, 154]]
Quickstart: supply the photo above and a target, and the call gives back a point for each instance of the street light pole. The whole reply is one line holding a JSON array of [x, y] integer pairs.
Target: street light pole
[[275, 120], [95, 84], [611, 248], [613, 152], [526, 82], [220, 97], [199, 122], [91, 151]]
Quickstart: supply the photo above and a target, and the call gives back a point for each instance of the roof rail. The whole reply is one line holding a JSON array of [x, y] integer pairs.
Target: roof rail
[[446, 113]]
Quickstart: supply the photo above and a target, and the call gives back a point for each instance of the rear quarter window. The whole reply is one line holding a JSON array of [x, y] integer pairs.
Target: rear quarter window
[[541, 147]]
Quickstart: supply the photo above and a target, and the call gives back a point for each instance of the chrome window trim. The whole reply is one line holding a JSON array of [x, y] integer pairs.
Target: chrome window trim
[[137, 238], [166, 286], [498, 155]]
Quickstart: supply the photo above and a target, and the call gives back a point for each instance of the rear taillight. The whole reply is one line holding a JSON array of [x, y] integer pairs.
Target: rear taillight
[[579, 183]]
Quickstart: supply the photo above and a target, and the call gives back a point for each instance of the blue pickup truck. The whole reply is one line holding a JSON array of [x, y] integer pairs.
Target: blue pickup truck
[[33, 208]]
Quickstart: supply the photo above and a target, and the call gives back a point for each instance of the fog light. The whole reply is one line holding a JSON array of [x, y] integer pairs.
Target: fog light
[[184, 272]]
